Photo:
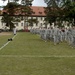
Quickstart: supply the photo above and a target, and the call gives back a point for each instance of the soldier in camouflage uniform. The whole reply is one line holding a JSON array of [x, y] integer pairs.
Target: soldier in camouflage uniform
[[73, 36], [55, 35], [70, 37]]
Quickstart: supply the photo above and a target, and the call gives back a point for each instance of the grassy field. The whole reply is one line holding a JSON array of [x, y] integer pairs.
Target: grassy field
[[4, 37], [27, 54]]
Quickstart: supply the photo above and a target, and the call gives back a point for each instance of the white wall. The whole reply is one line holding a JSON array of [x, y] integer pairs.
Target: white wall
[[0, 22], [20, 25]]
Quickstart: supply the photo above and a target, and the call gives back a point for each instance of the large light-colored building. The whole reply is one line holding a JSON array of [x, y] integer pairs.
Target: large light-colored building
[[38, 13]]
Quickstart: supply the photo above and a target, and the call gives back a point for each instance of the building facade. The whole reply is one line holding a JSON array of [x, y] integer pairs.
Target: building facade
[[38, 14]]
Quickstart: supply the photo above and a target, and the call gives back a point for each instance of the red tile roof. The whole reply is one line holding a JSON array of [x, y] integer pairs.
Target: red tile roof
[[37, 11]]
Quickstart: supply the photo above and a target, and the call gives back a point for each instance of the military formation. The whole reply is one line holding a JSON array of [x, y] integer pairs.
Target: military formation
[[56, 34]]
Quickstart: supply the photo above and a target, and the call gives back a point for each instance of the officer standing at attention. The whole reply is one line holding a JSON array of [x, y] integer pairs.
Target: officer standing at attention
[[73, 35], [55, 35]]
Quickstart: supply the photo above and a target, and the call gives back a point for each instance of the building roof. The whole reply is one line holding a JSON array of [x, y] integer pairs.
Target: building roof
[[37, 11]]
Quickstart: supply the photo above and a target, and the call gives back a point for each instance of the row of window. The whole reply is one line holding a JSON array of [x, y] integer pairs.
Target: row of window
[[22, 24], [38, 18], [38, 12]]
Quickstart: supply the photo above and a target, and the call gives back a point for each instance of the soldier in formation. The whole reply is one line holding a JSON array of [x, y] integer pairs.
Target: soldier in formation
[[57, 34]]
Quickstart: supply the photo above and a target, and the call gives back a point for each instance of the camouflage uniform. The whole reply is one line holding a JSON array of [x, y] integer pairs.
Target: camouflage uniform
[[55, 35]]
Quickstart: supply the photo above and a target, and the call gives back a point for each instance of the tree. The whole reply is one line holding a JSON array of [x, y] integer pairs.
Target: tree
[[52, 10], [60, 10], [8, 15], [31, 21], [21, 10], [69, 9], [8, 20]]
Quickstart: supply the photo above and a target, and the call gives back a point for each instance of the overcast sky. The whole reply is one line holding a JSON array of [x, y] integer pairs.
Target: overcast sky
[[39, 3], [34, 3]]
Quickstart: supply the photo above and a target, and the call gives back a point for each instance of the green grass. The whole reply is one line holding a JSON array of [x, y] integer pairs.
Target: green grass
[[4, 39], [37, 66], [13, 60]]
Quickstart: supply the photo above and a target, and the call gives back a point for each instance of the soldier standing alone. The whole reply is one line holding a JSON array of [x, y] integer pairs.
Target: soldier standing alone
[[14, 30]]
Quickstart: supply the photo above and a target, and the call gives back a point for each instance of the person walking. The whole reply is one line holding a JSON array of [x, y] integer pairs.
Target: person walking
[[14, 30]]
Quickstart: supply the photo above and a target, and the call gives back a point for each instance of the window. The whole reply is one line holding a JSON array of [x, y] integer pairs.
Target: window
[[36, 18], [41, 18], [16, 24], [33, 12], [21, 24], [41, 24], [40, 12]]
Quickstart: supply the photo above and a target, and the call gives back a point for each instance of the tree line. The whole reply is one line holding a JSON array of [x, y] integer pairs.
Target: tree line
[[60, 10]]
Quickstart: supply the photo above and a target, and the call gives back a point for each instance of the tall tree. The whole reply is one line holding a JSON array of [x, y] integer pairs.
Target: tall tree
[[8, 15], [63, 10], [31, 21], [19, 9], [52, 10]]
